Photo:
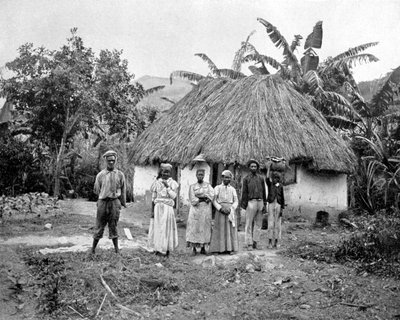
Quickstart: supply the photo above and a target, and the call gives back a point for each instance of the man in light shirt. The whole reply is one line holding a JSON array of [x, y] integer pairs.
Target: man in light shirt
[[111, 190]]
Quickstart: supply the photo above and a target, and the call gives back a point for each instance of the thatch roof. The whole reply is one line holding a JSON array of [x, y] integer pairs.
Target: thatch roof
[[231, 121]]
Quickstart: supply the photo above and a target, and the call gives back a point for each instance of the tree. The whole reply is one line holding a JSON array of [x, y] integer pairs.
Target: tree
[[325, 83], [215, 72], [69, 91]]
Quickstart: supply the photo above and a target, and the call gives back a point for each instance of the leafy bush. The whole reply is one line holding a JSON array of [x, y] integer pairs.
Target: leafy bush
[[16, 160], [376, 244]]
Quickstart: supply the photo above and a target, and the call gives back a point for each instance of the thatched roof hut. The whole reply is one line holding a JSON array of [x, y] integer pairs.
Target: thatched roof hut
[[230, 121]]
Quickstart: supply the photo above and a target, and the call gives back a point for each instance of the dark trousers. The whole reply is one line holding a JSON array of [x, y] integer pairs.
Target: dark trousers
[[107, 213]]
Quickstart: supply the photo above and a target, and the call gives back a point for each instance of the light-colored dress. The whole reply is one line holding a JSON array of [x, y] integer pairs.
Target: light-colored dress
[[198, 229], [165, 232], [224, 236]]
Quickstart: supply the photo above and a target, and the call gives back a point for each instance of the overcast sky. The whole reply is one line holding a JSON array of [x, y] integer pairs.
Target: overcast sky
[[161, 36]]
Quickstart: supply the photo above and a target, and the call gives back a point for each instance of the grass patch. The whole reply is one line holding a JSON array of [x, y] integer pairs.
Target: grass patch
[[137, 286]]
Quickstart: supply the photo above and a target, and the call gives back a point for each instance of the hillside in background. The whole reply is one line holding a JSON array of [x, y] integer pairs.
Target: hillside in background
[[174, 92]]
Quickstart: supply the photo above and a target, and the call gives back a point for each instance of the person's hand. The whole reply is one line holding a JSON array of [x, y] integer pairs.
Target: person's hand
[[165, 183]]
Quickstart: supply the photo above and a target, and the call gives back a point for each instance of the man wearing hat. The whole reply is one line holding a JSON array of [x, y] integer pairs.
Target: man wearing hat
[[111, 189], [254, 201]]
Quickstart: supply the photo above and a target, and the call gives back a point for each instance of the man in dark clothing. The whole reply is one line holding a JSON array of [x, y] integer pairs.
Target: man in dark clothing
[[254, 201], [276, 203]]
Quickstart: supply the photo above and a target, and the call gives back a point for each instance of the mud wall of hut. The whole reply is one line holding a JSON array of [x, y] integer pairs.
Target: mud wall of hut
[[316, 192], [142, 181]]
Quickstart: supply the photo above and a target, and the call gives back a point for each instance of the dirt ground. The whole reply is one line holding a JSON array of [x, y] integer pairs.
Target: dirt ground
[[48, 274]]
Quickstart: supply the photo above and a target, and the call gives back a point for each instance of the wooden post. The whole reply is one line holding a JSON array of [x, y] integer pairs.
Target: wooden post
[[238, 180], [178, 198]]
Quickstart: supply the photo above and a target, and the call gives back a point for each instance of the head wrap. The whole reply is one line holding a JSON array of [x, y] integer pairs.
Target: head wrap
[[227, 173], [276, 174], [166, 166], [253, 161], [110, 153]]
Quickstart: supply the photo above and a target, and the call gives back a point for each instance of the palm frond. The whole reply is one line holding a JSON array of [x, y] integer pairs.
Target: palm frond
[[313, 80], [314, 39], [259, 58], [357, 100], [382, 99], [352, 61], [149, 91], [354, 51], [211, 65], [276, 37], [350, 79], [191, 76], [232, 74], [253, 51], [335, 103], [237, 60], [168, 99], [258, 71], [309, 61], [341, 122], [280, 42], [375, 146], [295, 42]]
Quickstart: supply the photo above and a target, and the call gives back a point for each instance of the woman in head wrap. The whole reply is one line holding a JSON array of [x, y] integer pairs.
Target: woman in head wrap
[[198, 230], [224, 238], [164, 191]]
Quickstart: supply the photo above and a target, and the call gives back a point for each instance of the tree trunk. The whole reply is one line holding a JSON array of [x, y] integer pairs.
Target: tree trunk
[[59, 164]]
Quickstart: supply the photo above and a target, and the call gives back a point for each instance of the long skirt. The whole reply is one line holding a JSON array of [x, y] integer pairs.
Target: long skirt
[[198, 229], [165, 236], [224, 236], [274, 221]]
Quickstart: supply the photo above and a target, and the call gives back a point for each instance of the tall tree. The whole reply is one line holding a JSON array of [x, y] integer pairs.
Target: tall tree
[[65, 92], [325, 82], [215, 72]]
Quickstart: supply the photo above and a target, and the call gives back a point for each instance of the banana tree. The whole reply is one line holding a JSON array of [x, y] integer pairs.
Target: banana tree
[[378, 176], [378, 112], [324, 82]]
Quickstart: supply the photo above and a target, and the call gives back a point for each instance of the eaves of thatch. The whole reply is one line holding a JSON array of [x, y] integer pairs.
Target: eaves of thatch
[[231, 121]]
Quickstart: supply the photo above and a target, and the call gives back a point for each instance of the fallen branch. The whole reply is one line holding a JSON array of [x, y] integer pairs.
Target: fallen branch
[[76, 311], [137, 314], [361, 306], [348, 223], [108, 288], [101, 305]]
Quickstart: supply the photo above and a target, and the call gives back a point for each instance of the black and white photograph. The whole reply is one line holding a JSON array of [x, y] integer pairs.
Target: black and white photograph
[[199, 159]]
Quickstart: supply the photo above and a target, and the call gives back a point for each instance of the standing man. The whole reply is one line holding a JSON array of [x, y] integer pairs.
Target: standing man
[[111, 188], [254, 201]]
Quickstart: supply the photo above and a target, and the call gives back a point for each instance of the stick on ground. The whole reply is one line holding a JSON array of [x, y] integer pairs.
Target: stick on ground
[[107, 287], [101, 305]]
